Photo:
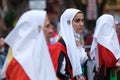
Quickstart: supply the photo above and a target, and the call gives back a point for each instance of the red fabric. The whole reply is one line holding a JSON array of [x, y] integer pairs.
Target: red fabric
[[89, 39], [50, 47], [55, 52], [54, 34], [15, 71], [106, 57]]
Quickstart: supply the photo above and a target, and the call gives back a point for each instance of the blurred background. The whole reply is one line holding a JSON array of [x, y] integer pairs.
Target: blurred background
[[11, 10]]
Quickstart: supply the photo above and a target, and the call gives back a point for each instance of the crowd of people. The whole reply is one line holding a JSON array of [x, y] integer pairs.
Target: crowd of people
[[36, 51]]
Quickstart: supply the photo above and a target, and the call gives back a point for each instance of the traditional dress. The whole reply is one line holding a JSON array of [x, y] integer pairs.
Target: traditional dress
[[105, 48], [61, 61], [30, 55], [69, 57]]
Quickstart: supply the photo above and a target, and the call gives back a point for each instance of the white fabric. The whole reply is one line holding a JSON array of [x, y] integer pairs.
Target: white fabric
[[66, 32], [53, 40], [63, 67], [105, 35], [90, 69], [29, 46], [83, 54], [76, 35]]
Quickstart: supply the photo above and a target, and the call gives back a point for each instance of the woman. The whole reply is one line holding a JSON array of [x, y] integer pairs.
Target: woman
[[68, 51], [30, 60], [105, 48]]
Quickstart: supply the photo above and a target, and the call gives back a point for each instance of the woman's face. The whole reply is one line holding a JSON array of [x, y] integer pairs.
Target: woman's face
[[48, 29], [78, 22]]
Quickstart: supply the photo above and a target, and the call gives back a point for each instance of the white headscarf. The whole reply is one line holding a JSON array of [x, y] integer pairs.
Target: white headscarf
[[105, 35], [75, 54], [29, 46]]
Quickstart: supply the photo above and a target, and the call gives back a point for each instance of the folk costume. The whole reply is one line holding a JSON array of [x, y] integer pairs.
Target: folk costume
[[69, 56], [30, 55], [105, 48]]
